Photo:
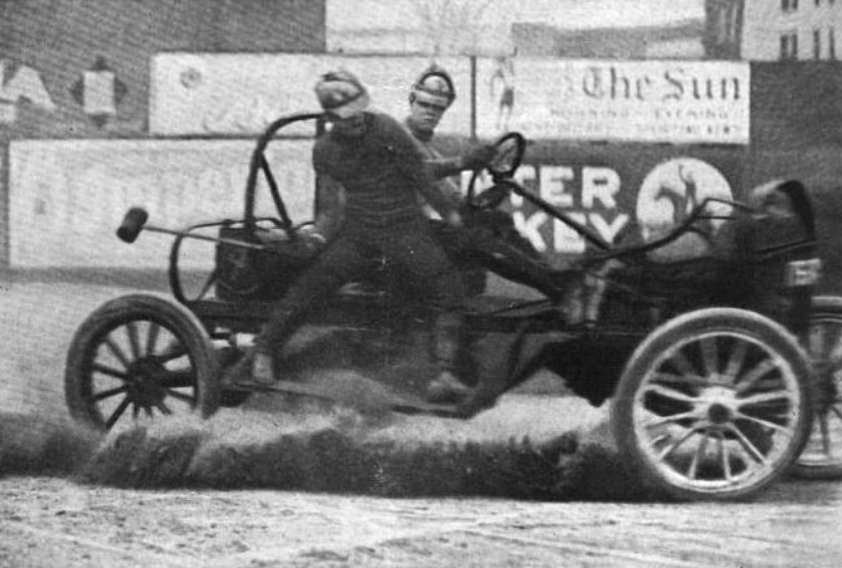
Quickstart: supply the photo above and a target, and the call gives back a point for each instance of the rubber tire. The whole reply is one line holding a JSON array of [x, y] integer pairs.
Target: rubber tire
[[133, 307], [823, 307], [678, 330]]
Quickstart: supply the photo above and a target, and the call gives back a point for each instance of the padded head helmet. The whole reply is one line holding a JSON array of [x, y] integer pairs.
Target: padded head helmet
[[433, 86], [341, 93]]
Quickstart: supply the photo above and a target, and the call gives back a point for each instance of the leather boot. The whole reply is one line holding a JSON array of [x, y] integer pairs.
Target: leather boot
[[253, 369], [447, 388]]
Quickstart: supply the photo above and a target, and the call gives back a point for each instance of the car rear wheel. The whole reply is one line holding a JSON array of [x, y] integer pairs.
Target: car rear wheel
[[137, 356]]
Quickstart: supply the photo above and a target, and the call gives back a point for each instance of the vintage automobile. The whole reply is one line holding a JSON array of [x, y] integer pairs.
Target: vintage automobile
[[703, 359]]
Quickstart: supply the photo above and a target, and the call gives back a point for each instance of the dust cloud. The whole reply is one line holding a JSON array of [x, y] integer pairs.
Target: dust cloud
[[528, 446], [516, 450]]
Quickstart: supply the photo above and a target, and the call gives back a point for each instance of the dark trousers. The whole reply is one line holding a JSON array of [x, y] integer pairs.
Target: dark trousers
[[493, 243], [411, 247]]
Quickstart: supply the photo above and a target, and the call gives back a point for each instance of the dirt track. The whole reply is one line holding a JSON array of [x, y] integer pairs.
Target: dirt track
[[48, 521]]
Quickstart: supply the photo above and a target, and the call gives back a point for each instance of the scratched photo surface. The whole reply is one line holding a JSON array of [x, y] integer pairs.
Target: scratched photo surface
[[678, 406]]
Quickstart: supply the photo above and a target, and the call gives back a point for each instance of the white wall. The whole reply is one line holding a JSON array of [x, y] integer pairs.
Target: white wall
[[684, 48], [239, 94]]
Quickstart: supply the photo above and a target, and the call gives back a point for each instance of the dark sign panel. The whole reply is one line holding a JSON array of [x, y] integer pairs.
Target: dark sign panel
[[619, 190]]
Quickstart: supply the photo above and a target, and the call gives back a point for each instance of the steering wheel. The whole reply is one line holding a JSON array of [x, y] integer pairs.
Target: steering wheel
[[507, 158]]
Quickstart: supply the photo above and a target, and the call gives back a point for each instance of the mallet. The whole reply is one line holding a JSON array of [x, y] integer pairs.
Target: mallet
[[135, 221]]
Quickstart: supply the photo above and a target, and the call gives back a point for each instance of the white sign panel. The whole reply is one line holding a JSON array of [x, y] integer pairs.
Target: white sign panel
[[645, 101], [239, 94], [67, 198]]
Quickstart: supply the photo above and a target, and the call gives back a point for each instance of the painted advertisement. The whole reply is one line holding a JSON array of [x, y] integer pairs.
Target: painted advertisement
[[627, 193], [82, 99], [239, 94], [67, 198], [21, 83], [677, 102]]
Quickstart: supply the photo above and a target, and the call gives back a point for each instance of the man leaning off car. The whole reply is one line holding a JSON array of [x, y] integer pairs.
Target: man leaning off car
[[372, 159]]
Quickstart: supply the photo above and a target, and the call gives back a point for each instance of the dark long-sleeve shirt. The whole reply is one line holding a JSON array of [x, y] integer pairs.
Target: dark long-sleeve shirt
[[382, 172], [441, 168]]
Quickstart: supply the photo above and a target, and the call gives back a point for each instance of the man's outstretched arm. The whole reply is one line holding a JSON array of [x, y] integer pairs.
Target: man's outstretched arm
[[476, 158]]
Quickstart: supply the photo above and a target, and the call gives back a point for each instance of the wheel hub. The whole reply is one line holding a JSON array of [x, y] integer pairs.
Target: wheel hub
[[719, 404], [144, 384], [719, 414]]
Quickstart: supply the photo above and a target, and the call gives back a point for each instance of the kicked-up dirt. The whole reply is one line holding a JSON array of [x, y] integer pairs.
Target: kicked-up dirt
[[263, 485]]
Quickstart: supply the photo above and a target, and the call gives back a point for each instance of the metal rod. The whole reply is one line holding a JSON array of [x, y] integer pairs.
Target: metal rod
[[233, 242]]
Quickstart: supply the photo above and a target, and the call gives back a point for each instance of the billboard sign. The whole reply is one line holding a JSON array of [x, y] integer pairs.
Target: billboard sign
[[678, 102], [637, 193], [68, 197], [239, 94]]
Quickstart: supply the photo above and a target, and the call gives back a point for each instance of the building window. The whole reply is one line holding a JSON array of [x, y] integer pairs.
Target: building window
[[789, 46], [831, 44], [725, 24], [789, 5], [817, 44]]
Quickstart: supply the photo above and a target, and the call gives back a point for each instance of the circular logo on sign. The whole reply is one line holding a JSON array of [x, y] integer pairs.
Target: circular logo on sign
[[668, 195], [191, 78]]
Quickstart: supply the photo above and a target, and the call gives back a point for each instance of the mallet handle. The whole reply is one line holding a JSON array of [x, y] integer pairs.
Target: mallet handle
[[233, 242]]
